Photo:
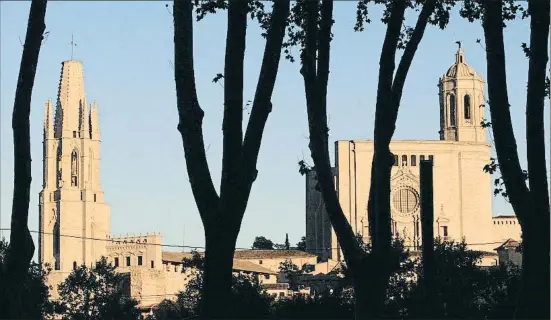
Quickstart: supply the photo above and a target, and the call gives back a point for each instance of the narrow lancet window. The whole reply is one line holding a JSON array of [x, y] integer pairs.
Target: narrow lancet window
[[467, 106], [452, 110], [74, 169]]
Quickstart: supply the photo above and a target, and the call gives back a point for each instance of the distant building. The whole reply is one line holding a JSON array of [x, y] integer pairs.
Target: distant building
[[462, 190], [74, 219]]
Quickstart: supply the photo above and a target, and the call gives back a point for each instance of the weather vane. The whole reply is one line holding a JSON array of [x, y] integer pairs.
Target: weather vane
[[459, 44], [73, 45]]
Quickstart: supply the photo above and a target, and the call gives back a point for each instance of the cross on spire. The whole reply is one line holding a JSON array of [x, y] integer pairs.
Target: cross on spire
[[73, 45]]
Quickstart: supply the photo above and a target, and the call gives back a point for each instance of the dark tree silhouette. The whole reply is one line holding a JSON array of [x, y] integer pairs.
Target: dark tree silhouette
[[222, 214], [369, 286], [301, 245], [37, 304], [261, 243], [530, 203], [21, 249], [96, 293]]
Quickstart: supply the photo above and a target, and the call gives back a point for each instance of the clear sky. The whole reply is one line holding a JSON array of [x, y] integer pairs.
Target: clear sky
[[127, 48]]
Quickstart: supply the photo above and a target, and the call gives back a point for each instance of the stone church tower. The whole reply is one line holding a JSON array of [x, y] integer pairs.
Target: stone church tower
[[71, 205], [461, 103]]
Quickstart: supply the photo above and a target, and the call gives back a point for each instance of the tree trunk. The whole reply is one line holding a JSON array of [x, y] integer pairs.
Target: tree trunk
[[222, 215], [217, 278], [21, 247], [534, 299], [531, 206]]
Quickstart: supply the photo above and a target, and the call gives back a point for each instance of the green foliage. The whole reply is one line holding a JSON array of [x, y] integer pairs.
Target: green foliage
[[261, 243], [96, 293], [36, 304], [291, 272]]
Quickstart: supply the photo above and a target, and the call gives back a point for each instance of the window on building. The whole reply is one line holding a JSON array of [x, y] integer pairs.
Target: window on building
[[467, 106], [452, 110], [404, 160], [74, 134], [259, 261], [95, 197], [395, 160], [74, 265], [152, 264], [413, 160], [266, 276], [421, 158], [81, 195], [57, 266], [128, 261], [444, 231], [140, 260], [116, 262], [431, 158]]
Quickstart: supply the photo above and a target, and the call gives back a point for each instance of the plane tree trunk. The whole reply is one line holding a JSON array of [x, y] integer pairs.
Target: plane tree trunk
[[530, 203], [21, 247], [222, 214], [370, 274]]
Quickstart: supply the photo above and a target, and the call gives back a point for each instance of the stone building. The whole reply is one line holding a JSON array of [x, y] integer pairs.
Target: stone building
[[74, 219], [462, 190]]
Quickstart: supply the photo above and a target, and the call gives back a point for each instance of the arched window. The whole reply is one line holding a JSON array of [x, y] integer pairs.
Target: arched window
[[74, 265], [404, 160], [413, 160], [452, 110], [467, 106]]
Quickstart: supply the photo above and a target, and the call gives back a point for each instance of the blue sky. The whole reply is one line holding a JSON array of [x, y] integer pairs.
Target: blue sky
[[127, 48]]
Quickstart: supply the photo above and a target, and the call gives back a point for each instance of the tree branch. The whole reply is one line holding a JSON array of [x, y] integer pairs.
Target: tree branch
[[190, 113], [232, 125], [505, 142], [21, 247], [535, 136], [262, 105], [407, 58]]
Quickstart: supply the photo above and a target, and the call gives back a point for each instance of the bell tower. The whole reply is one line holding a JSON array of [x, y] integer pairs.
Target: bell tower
[[74, 220], [461, 102]]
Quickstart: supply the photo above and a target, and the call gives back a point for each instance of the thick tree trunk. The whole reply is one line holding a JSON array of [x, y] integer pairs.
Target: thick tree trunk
[[534, 299], [217, 279], [21, 247], [531, 206], [222, 215]]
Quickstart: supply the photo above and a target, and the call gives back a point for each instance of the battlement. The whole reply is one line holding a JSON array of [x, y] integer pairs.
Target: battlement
[[150, 238]]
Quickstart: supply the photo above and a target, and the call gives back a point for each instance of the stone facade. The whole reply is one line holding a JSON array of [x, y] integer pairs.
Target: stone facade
[[462, 190]]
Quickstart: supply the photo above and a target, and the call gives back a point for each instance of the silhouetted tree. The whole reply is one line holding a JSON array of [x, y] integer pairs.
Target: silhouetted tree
[[301, 245], [530, 203], [370, 286], [222, 214], [36, 304], [262, 243], [96, 293], [21, 250], [287, 244]]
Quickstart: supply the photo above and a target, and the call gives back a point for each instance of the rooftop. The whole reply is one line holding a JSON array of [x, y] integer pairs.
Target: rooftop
[[271, 254]]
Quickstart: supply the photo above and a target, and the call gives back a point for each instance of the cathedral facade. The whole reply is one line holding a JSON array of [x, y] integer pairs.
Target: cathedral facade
[[462, 190]]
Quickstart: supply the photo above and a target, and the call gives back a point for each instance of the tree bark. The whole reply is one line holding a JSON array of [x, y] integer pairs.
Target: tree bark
[[534, 299], [222, 215], [21, 247], [369, 286], [531, 205]]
